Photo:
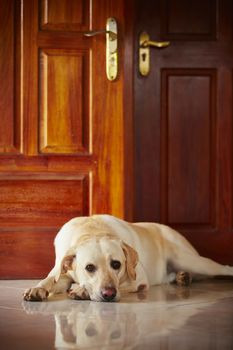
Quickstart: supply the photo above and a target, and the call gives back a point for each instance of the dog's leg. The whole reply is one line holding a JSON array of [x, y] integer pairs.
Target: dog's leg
[[48, 285], [199, 265]]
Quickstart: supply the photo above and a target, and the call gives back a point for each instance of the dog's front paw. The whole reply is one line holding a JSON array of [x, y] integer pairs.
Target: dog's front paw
[[35, 294], [78, 293]]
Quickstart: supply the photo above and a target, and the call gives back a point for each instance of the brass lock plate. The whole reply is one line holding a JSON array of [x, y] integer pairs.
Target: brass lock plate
[[111, 49], [144, 51], [144, 54]]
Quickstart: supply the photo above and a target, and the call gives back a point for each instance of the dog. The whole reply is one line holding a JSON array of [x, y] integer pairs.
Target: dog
[[100, 256]]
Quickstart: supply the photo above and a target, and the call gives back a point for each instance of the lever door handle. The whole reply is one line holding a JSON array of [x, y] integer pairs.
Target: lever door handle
[[144, 51], [158, 44], [112, 35], [111, 46]]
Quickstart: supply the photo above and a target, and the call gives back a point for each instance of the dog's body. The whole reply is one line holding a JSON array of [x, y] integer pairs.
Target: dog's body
[[104, 255]]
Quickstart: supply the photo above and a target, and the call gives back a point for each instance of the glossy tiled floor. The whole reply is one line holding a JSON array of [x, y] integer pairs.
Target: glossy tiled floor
[[168, 317]]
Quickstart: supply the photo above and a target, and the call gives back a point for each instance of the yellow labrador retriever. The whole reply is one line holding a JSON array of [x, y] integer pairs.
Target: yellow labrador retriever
[[98, 257]]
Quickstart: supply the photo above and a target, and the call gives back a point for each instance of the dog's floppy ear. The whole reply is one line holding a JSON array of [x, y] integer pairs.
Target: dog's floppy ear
[[131, 260], [66, 264]]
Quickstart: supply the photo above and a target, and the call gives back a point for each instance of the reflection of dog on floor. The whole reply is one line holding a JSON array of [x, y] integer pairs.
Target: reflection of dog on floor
[[103, 255], [126, 325]]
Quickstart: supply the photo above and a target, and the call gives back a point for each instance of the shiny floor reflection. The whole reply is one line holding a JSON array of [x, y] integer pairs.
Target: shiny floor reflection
[[167, 317]]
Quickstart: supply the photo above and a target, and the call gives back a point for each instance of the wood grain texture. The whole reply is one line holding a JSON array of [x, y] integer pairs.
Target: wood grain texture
[[64, 101], [26, 253], [199, 22], [65, 118], [39, 202], [188, 158], [183, 123], [69, 15], [9, 95], [128, 118], [108, 119]]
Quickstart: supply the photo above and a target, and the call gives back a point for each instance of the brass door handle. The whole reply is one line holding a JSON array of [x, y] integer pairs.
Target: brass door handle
[[111, 46], [112, 35], [144, 51], [158, 44]]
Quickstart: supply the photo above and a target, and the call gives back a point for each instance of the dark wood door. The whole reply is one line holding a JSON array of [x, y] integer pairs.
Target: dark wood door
[[183, 122], [61, 132]]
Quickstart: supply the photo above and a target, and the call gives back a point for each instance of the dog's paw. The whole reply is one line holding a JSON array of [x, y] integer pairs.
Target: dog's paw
[[183, 278], [35, 294], [78, 293]]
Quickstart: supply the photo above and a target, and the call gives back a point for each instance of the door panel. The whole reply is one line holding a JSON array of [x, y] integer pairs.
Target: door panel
[[27, 201], [64, 123], [72, 15], [188, 135], [61, 136], [9, 102], [182, 20], [183, 122]]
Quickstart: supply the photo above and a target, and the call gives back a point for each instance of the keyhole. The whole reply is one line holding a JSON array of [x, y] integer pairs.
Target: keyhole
[[144, 57]]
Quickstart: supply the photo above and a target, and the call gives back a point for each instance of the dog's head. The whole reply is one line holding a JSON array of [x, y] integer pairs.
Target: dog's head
[[101, 265]]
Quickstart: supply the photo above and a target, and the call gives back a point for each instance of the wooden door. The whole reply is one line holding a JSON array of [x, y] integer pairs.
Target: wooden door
[[61, 133], [183, 122]]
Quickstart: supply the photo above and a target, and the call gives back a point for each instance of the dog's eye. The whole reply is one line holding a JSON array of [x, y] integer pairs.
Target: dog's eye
[[115, 264], [90, 268]]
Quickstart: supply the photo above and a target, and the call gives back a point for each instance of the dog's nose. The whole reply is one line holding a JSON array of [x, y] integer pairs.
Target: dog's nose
[[108, 294]]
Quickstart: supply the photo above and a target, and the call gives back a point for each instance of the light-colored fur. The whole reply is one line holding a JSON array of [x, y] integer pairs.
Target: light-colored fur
[[149, 254]]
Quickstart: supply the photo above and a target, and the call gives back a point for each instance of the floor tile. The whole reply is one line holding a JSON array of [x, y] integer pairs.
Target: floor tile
[[167, 317]]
